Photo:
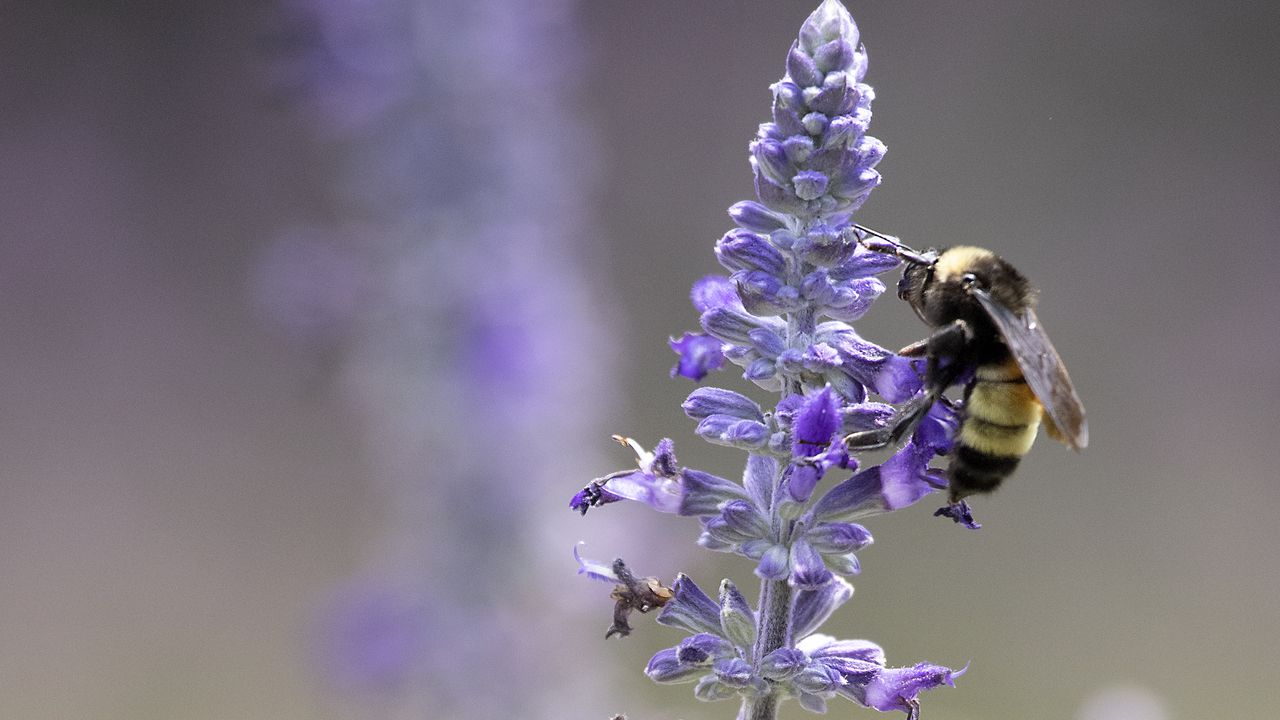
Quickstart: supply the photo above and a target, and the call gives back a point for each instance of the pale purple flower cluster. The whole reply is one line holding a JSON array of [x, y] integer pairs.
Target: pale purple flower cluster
[[798, 277]]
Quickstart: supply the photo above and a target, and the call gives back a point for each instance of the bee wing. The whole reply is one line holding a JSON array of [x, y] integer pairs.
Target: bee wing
[[1042, 368]]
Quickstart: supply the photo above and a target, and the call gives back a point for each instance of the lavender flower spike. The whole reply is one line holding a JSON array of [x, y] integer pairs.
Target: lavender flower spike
[[797, 278]]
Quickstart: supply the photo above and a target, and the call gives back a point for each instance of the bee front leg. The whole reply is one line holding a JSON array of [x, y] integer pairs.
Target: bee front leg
[[942, 348]]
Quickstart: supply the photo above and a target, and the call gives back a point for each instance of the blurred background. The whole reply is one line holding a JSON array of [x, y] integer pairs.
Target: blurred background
[[316, 312]]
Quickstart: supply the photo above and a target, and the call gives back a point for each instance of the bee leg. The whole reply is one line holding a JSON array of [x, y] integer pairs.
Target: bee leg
[[942, 371], [913, 709], [904, 420]]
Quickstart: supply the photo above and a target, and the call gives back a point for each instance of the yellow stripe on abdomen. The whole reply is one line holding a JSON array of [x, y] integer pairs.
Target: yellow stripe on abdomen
[[1003, 403], [999, 440]]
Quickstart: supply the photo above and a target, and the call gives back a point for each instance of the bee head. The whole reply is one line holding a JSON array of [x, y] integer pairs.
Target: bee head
[[916, 277]]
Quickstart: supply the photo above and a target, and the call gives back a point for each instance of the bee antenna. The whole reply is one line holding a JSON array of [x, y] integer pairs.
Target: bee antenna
[[899, 250]]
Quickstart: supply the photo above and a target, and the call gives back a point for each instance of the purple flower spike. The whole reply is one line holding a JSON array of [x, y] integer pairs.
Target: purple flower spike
[[699, 355], [801, 273]]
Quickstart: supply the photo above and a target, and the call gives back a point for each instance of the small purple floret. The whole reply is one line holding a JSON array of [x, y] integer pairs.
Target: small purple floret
[[699, 355]]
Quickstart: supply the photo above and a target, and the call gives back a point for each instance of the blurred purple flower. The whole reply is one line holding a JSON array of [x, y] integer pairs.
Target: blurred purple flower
[[439, 302], [699, 354], [373, 639]]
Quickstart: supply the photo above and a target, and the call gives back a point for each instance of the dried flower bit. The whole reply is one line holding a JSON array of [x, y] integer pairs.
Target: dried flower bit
[[594, 495], [960, 513], [634, 594]]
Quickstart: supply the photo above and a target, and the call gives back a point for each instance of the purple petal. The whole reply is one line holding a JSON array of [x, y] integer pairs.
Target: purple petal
[[747, 434], [661, 494], [865, 416], [782, 663], [897, 688], [807, 568], [665, 667], [744, 250], [838, 538], [774, 563], [710, 689], [767, 342], [817, 678], [743, 517], [861, 650], [900, 481], [856, 673], [734, 672], [663, 463], [906, 477], [702, 648], [835, 55], [773, 195], [897, 379], [737, 619], [690, 609], [801, 480], [831, 21], [704, 493], [699, 354], [816, 422], [592, 569], [765, 294], [864, 263], [938, 429], [731, 324], [714, 291], [809, 184], [759, 479], [754, 216], [801, 68], [814, 605]]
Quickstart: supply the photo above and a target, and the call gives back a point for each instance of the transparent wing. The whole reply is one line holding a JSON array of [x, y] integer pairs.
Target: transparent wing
[[1042, 368]]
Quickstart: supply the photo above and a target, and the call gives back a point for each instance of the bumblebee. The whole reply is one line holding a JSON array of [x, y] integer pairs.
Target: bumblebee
[[986, 333]]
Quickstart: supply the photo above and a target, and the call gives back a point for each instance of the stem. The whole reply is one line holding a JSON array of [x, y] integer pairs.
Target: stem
[[773, 628]]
